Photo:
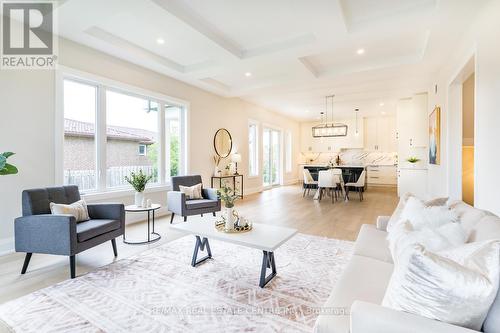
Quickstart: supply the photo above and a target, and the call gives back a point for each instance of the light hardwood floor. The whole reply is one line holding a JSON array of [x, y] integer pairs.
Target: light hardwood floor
[[280, 206]]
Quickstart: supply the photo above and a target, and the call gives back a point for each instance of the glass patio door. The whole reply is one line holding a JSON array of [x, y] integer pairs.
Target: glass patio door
[[271, 160]]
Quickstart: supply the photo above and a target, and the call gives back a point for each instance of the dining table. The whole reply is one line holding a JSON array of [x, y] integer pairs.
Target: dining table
[[341, 183]]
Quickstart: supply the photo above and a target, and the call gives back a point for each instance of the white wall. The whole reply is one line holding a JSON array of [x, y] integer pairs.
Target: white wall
[[26, 128], [482, 42], [27, 106]]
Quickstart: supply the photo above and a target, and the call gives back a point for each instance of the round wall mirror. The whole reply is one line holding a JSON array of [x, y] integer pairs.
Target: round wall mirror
[[223, 143]]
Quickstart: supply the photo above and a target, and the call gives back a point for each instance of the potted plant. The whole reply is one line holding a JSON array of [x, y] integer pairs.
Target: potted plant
[[228, 197], [6, 168], [138, 181], [413, 160]]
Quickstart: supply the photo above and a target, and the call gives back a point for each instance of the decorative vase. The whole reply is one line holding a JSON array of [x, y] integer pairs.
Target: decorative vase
[[216, 171], [232, 169], [139, 198], [229, 215]]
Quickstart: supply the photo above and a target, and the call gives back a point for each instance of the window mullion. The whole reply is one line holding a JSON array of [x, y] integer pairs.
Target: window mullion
[[101, 138], [183, 150], [162, 146]]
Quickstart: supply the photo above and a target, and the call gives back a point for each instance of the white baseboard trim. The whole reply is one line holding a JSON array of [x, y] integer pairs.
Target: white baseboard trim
[[6, 246], [253, 190], [291, 182]]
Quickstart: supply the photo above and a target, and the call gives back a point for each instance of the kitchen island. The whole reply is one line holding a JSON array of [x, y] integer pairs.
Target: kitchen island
[[350, 173]]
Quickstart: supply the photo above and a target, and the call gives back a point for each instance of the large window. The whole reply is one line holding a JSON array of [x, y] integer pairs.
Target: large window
[[131, 127], [253, 160], [79, 163], [173, 115], [109, 133]]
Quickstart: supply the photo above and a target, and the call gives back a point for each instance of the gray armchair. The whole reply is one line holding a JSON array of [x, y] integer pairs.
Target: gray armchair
[[38, 231], [177, 203]]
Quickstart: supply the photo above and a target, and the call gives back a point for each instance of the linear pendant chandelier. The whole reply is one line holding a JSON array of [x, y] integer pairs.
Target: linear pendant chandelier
[[328, 129]]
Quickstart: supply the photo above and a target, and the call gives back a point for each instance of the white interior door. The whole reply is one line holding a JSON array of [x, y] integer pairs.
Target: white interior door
[[271, 172]]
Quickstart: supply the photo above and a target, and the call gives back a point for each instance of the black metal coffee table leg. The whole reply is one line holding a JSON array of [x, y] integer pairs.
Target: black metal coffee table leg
[[200, 245], [267, 262]]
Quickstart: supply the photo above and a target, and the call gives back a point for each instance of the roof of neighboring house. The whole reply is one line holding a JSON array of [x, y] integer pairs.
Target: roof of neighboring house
[[84, 129]]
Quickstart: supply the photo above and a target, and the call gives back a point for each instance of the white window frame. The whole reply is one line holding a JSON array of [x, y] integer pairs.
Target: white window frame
[[102, 85], [288, 151], [145, 153], [255, 158]]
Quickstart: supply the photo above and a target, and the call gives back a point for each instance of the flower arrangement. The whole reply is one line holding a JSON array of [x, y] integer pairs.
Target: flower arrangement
[[217, 159], [6, 168], [227, 195], [138, 180], [413, 159]]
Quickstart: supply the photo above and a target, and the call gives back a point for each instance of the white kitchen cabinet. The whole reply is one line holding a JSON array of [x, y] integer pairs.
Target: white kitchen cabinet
[[381, 175], [412, 122], [370, 134], [380, 134], [412, 180], [420, 121]]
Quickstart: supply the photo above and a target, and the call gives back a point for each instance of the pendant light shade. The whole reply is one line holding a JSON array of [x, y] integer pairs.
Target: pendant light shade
[[326, 128]]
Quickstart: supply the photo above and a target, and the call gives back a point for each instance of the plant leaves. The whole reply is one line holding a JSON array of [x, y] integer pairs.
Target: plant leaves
[[8, 169], [3, 161], [8, 154]]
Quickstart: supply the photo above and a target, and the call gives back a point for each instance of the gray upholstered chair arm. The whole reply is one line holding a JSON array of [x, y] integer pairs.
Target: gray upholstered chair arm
[[176, 202], [46, 233], [112, 211], [210, 193]]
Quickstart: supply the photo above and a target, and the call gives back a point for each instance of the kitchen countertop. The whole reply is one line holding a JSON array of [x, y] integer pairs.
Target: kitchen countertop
[[346, 165]]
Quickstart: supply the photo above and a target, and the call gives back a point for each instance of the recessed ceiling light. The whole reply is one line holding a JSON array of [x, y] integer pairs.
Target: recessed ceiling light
[[160, 41], [248, 74], [381, 104], [360, 51]]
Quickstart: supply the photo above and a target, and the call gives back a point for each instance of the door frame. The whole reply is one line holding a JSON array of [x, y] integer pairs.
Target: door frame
[[454, 125]]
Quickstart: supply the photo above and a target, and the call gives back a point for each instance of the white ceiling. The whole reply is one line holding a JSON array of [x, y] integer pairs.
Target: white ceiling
[[297, 51]]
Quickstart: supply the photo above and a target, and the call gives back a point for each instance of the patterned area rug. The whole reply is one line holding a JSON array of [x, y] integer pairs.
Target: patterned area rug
[[159, 291]]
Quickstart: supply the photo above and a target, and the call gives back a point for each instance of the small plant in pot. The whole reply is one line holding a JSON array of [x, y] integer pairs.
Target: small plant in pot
[[413, 159], [138, 180], [228, 197], [6, 168]]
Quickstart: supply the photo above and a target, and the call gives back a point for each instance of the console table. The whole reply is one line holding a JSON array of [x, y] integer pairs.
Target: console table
[[220, 178]]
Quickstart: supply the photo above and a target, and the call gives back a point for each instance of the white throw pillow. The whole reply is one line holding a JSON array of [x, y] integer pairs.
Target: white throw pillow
[[192, 192], [77, 209], [422, 216], [403, 235], [396, 215], [456, 286]]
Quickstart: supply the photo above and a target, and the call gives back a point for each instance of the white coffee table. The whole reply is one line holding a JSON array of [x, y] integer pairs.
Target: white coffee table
[[264, 237]]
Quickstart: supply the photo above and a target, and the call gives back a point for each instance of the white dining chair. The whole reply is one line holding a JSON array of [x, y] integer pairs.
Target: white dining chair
[[309, 182], [359, 185], [327, 181], [340, 183]]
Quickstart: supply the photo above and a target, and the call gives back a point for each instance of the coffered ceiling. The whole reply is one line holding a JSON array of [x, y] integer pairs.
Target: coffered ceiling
[[282, 54]]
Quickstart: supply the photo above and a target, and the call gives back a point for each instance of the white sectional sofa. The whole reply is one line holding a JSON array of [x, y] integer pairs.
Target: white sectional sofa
[[354, 304]]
